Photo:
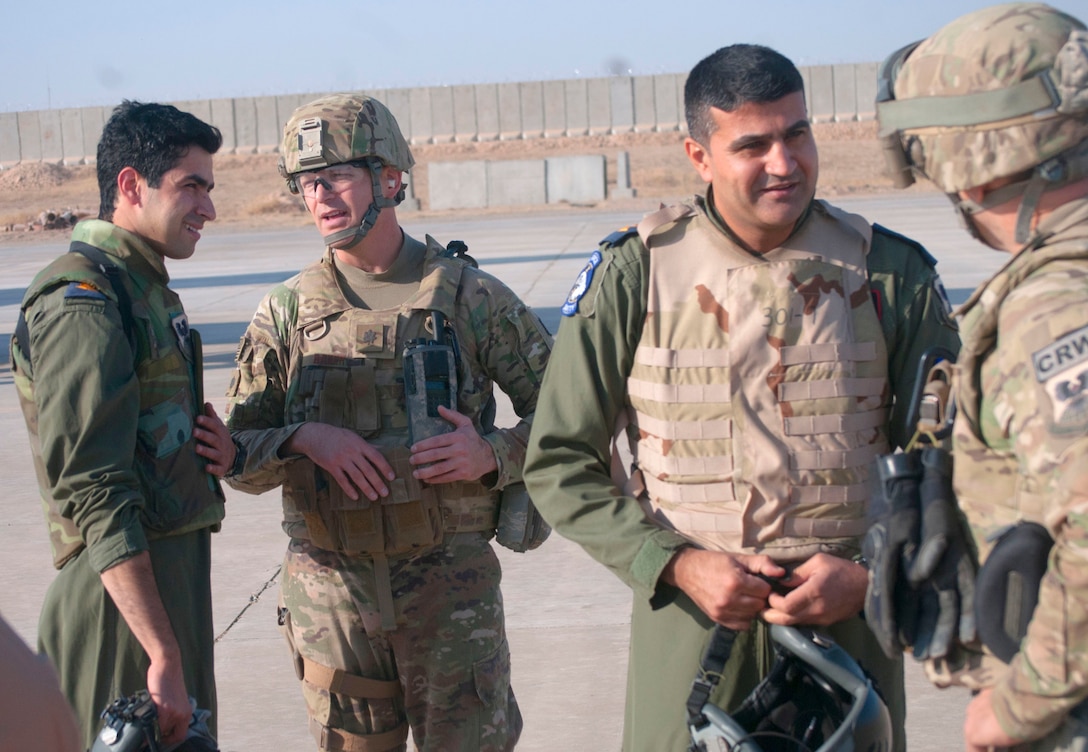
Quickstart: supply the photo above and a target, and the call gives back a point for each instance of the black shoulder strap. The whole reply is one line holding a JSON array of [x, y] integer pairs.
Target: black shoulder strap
[[113, 275], [711, 666]]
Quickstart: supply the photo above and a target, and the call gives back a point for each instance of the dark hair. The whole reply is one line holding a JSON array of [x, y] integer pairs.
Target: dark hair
[[732, 77], [150, 138]]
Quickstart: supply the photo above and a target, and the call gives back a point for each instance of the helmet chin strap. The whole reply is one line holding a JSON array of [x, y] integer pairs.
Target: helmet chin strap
[[352, 236], [1057, 171]]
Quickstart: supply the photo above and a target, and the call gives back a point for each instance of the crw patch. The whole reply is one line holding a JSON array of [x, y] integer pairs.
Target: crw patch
[[1062, 368]]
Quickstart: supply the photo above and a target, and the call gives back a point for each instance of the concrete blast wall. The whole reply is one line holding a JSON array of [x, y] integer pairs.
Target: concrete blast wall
[[444, 114]]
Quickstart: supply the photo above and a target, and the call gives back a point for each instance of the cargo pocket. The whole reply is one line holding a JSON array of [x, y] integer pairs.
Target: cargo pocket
[[492, 677], [318, 705]]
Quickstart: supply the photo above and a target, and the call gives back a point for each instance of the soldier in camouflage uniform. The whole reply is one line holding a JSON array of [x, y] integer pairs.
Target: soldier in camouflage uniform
[[993, 108], [758, 347], [125, 448], [390, 598]]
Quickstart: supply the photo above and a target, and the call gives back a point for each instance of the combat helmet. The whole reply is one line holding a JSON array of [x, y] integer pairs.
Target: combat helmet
[[345, 128], [998, 93], [815, 698]]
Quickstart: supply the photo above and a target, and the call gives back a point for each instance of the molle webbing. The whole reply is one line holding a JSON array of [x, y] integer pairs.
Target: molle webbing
[[792, 527], [758, 394]]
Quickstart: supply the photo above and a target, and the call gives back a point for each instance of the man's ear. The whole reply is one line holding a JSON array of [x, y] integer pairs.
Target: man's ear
[[391, 181], [700, 158], [130, 186]]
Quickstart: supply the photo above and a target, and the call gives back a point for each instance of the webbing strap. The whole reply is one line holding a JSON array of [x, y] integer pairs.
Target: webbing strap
[[711, 666], [385, 592], [339, 681], [336, 740]]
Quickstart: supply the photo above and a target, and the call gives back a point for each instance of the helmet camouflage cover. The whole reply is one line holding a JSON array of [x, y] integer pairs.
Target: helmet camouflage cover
[[342, 128], [1007, 90]]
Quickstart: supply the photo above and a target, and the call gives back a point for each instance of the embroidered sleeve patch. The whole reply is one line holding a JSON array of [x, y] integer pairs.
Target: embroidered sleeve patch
[[581, 285], [83, 290], [1062, 369]]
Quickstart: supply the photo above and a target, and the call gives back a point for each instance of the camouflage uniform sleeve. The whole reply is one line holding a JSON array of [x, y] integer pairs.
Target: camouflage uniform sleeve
[[568, 467], [914, 314], [88, 400], [1035, 406], [512, 347], [257, 396]]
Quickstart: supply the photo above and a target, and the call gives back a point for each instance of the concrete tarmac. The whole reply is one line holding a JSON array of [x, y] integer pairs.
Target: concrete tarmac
[[567, 616]]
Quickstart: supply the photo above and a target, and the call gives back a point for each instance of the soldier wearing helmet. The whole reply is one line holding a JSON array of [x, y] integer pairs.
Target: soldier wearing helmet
[[365, 390], [993, 108]]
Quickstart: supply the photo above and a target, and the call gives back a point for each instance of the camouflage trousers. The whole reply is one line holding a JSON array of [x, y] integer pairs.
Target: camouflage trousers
[[449, 652]]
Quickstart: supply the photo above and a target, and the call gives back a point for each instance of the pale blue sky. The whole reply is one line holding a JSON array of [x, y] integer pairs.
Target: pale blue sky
[[74, 54]]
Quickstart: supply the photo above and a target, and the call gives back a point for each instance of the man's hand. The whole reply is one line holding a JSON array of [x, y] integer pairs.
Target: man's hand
[[166, 686], [354, 464], [824, 590], [725, 586], [459, 455], [214, 442], [981, 730]]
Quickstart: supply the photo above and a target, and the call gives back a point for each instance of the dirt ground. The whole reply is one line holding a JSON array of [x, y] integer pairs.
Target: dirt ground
[[249, 191]]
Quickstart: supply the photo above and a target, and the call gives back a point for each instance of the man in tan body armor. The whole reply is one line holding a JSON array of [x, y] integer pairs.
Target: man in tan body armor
[[365, 388], [993, 108], [757, 348]]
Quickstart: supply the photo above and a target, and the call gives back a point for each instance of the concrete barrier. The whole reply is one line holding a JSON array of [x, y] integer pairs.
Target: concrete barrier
[[554, 102], [11, 152], [463, 110], [821, 95], [94, 119], [576, 180], [443, 114], [478, 184], [516, 182], [269, 125], [223, 119], [245, 125], [422, 127], [844, 84], [457, 185], [576, 98], [30, 136], [487, 112], [442, 127]]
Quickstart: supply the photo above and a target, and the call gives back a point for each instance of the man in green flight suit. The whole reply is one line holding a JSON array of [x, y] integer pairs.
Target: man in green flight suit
[[758, 349], [390, 597], [126, 450], [993, 109]]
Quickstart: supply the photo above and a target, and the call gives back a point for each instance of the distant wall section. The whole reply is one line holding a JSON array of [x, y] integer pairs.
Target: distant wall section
[[445, 114]]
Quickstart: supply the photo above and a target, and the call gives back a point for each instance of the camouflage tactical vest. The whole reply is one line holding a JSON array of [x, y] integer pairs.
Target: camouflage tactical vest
[[347, 364], [759, 390], [992, 488], [179, 493]]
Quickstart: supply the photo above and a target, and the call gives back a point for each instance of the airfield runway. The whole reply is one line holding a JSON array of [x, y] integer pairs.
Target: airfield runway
[[567, 616]]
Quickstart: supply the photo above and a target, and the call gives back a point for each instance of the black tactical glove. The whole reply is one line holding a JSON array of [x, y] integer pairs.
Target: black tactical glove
[[890, 546], [945, 568]]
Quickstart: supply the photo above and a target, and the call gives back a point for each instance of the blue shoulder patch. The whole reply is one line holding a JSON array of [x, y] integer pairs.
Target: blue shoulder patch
[[585, 278], [909, 241], [84, 290], [620, 235]]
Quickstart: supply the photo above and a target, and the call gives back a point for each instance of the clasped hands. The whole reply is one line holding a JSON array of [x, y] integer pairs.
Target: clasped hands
[[734, 589]]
